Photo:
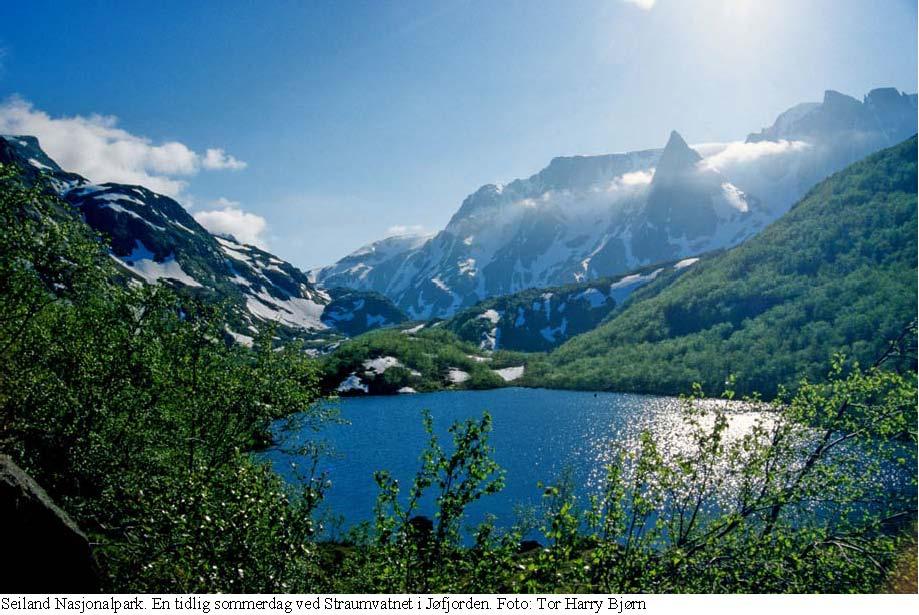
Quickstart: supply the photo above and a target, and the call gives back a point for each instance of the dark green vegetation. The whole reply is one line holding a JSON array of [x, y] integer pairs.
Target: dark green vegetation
[[355, 312], [836, 273], [128, 406], [426, 358], [541, 319]]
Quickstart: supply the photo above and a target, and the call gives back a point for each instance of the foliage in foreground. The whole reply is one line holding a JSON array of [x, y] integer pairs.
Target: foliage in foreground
[[126, 405], [817, 495]]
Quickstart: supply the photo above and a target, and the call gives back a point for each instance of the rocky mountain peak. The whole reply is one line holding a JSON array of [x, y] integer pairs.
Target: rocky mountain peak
[[677, 158], [27, 148], [883, 118], [832, 98], [479, 201], [884, 96]]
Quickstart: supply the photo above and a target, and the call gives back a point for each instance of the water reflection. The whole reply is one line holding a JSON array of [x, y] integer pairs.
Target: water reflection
[[538, 435]]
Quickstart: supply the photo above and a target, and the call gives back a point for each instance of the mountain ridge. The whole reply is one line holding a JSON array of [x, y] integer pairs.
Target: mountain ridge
[[541, 319], [587, 217], [153, 239], [837, 273]]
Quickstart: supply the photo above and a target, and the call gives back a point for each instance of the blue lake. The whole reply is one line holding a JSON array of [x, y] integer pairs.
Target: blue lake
[[537, 435]]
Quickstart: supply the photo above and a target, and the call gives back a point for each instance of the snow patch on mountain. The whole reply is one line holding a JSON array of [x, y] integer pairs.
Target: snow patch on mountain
[[510, 374], [141, 261], [352, 383], [621, 289], [381, 364], [467, 266], [38, 165], [594, 297], [294, 312], [686, 262], [491, 316], [239, 338], [119, 197], [231, 249]]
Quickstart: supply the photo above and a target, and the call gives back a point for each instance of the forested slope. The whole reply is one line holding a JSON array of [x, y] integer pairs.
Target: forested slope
[[836, 273]]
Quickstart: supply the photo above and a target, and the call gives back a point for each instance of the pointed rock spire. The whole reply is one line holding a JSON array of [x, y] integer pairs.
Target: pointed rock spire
[[677, 158]]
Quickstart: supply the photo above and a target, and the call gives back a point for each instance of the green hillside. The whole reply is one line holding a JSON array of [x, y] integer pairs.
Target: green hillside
[[420, 358], [836, 273]]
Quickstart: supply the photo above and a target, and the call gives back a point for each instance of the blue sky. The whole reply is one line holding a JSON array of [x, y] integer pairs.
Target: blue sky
[[334, 123]]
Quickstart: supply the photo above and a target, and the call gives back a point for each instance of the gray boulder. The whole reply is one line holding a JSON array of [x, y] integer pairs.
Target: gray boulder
[[43, 549]]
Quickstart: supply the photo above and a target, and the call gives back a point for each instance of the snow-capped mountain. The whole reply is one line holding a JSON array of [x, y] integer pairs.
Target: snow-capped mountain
[[811, 141], [155, 240], [586, 217], [539, 320], [580, 218], [371, 266]]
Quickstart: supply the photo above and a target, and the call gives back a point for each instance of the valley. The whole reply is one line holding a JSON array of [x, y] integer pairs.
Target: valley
[[483, 409], [525, 291]]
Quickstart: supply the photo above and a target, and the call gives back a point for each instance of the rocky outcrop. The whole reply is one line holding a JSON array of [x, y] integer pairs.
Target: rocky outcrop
[[43, 549]]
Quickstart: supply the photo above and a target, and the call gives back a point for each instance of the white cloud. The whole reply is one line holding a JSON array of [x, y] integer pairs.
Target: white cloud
[[735, 197], [645, 5], [95, 147], [722, 156], [636, 178], [229, 219], [711, 148], [402, 229], [216, 158], [224, 202]]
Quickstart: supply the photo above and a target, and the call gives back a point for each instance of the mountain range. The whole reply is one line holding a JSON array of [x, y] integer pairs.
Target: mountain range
[[837, 273], [155, 240], [588, 217], [523, 266]]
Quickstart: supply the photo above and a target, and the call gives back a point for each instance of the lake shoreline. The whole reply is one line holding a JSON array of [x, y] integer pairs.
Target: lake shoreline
[[538, 435], [524, 386]]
